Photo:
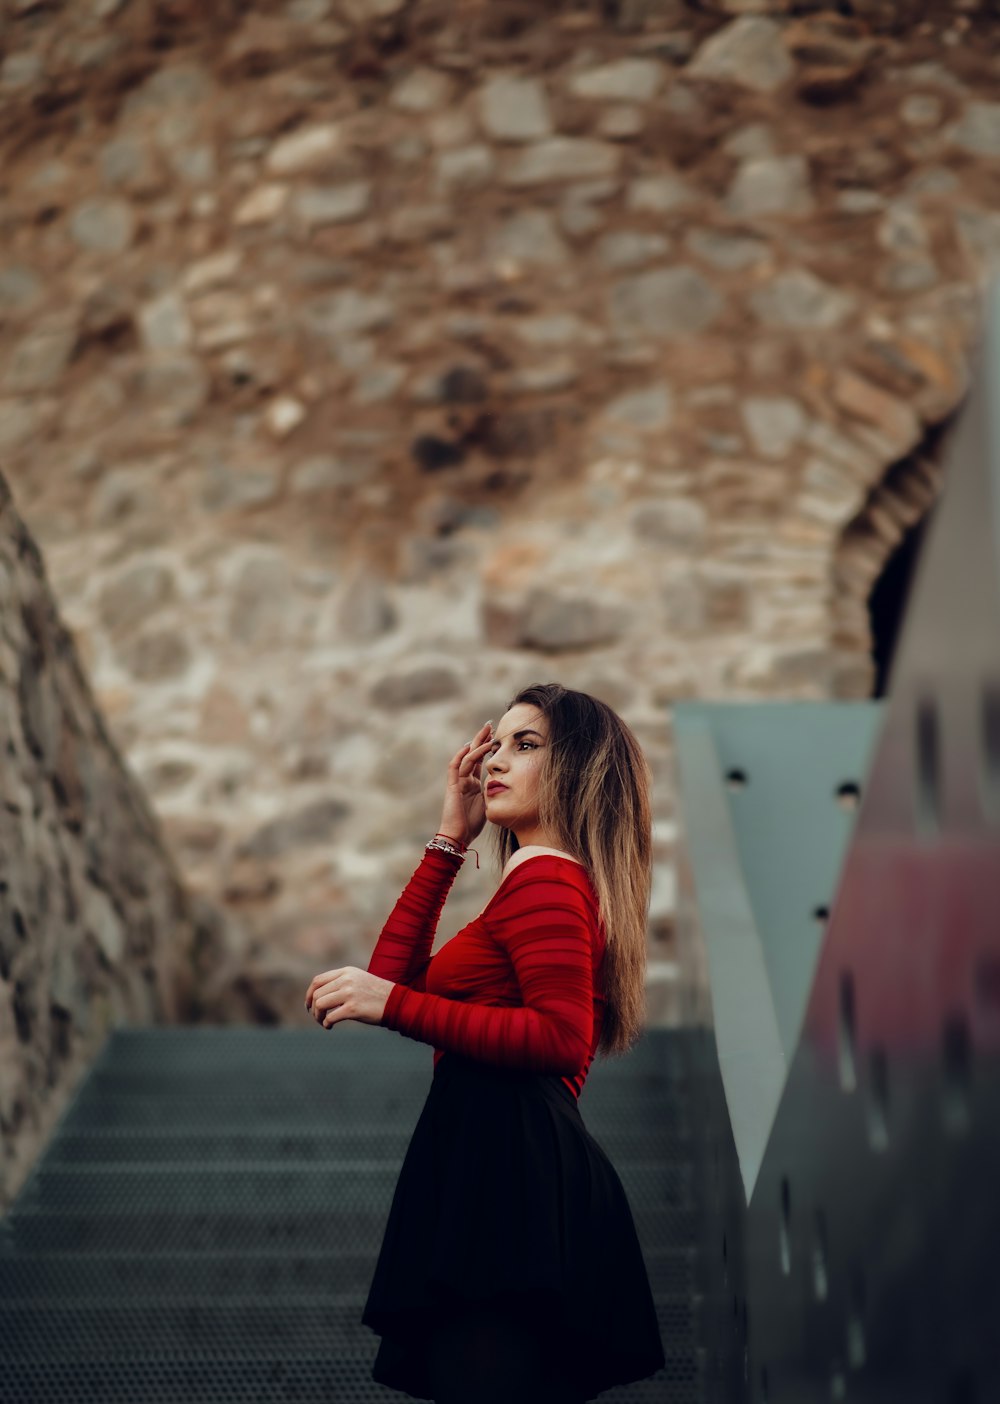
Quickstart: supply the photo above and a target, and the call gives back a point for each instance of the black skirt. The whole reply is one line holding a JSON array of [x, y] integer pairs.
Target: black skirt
[[505, 1197]]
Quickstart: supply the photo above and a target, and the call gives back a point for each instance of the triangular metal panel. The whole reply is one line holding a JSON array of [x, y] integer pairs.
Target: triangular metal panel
[[766, 817]]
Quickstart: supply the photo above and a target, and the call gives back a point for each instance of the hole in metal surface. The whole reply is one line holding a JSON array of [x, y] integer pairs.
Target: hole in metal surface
[[927, 768], [849, 794], [736, 779], [878, 1100], [820, 1279], [847, 1062]]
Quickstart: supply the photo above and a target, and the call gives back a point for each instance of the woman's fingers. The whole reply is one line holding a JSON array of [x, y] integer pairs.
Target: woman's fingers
[[326, 999], [474, 759], [480, 753], [457, 759], [481, 742], [483, 737], [354, 994], [472, 752], [314, 984]]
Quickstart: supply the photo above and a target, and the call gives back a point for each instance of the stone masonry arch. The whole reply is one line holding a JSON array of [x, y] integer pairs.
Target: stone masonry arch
[[874, 562]]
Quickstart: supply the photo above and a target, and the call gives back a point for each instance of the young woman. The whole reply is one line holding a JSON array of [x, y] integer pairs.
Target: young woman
[[510, 1269]]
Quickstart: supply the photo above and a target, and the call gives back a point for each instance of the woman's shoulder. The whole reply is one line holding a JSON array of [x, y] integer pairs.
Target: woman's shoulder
[[542, 874], [537, 850]]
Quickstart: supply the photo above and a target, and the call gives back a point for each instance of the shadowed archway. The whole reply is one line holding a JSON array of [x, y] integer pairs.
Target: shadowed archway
[[875, 560]]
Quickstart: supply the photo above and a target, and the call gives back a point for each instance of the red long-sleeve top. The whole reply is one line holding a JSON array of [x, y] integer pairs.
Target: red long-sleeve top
[[520, 986]]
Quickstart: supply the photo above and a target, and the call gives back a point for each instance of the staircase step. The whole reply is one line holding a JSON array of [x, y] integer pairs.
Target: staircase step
[[385, 1140], [370, 1102], [272, 1187], [276, 1326], [60, 1276], [201, 1230], [660, 1051], [295, 1379], [205, 1221]]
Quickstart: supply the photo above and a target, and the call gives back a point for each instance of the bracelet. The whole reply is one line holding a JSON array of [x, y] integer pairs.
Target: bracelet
[[448, 839], [449, 845], [446, 845]]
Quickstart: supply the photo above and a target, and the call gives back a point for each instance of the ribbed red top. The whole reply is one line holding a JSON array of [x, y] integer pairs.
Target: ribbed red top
[[518, 987]]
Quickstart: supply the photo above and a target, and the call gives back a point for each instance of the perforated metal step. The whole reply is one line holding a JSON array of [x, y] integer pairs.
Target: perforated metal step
[[204, 1224], [302, 1380], [166, 1276]]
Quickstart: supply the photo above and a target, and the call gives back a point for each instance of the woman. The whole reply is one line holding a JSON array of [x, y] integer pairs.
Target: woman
[[510, 1269]]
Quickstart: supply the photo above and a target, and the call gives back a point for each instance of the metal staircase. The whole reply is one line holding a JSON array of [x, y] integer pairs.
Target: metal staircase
[[203, 1225]]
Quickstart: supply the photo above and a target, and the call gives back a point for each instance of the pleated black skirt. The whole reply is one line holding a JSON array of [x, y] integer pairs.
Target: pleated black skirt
[[504, 1197]]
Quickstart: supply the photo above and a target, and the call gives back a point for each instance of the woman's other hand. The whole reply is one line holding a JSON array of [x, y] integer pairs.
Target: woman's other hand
[[464, 812], [348, 993]]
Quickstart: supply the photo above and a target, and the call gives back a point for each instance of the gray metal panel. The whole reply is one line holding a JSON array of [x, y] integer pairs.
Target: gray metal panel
[[751, 1058], [871, 1239], [765, 834]]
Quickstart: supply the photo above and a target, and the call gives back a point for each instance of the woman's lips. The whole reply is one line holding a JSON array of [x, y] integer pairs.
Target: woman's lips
[[494, 787]]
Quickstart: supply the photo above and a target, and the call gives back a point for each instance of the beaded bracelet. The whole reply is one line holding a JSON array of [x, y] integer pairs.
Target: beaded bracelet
[[453, 846], [446, 846]]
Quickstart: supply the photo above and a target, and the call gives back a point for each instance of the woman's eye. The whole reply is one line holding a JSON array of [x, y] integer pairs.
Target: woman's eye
[[530, 745]]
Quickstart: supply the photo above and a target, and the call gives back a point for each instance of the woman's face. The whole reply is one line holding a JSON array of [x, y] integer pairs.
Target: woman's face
[[512, 768]]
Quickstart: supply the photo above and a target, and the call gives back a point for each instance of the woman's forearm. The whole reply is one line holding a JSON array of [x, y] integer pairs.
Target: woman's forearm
[[404, 945]]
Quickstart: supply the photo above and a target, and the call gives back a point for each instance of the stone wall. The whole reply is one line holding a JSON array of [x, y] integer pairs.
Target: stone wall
[[361, 362], [95, 928]]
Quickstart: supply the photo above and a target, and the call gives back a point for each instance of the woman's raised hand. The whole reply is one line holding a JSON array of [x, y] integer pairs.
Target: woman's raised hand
[[464, 812]]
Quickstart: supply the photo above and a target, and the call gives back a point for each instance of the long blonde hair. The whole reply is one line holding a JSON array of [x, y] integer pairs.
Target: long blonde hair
[[594, 799]]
